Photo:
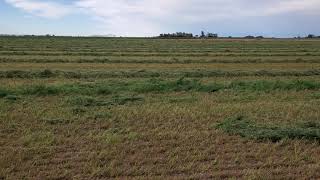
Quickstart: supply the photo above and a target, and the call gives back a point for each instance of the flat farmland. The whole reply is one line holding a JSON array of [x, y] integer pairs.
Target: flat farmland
[[139, 108]]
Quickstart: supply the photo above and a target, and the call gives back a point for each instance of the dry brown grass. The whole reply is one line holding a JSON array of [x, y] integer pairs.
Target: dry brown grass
[[156, 139]]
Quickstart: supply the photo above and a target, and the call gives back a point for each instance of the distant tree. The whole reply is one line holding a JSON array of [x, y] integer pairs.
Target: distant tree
[[212, 35], [202, 34], [311, 36], [259, 37], [177, 35], [249, 37]]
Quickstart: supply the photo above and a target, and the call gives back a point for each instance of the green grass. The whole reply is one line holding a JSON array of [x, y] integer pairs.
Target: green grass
[[141, 73], [160, 86], [248, 129]]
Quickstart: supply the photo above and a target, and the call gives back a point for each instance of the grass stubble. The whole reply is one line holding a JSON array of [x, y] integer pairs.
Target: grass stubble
[[159, 123]]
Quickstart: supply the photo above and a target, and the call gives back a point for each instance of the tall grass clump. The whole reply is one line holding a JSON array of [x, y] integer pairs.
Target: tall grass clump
[[248, 129]]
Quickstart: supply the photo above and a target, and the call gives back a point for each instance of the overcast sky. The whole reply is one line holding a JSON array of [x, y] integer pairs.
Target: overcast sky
[[278, 18]]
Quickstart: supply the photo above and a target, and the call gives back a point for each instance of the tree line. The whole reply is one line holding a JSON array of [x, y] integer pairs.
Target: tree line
[[214, 35], [188, 35]]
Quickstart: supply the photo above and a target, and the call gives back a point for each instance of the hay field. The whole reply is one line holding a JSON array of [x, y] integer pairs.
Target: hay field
[[130, 108]]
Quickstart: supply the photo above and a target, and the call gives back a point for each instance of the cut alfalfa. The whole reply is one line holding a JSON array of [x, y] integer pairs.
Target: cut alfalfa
[[40, 90], [11, 97], [7, 95], [3, 93], [248, 129]]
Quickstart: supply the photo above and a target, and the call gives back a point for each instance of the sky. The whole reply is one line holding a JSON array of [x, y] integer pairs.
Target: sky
[[270, 18]]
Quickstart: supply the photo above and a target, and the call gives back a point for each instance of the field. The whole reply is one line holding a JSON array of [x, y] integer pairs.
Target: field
[[129, 108]]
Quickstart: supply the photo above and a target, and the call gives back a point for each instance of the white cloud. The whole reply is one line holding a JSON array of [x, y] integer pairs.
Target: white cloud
[[286, 6], [149, 17], [138, 17], [47, 9]]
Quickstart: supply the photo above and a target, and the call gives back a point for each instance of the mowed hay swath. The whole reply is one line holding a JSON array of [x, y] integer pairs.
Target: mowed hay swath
[[159, 108]]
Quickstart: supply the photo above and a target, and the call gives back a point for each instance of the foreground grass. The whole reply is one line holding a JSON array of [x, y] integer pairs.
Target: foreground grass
[[162, 135], [149, 123]]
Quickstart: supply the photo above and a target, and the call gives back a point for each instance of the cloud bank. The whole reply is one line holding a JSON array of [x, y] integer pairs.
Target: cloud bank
[[47, 9], [149, 17]]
